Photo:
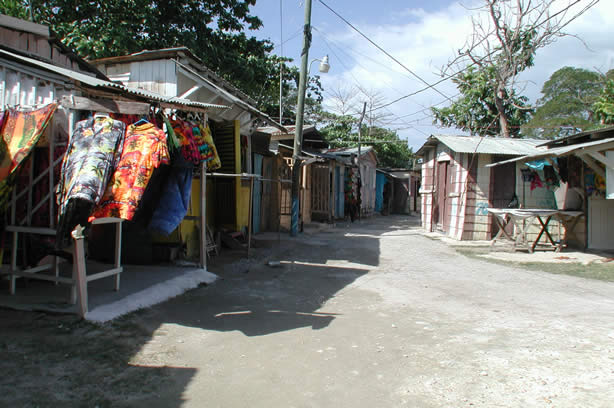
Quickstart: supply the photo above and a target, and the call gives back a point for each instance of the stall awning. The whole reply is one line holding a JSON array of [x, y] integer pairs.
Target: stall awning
[[581, 149]]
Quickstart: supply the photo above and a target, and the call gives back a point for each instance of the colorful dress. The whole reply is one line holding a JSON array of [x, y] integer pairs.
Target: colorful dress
[[144, 149]]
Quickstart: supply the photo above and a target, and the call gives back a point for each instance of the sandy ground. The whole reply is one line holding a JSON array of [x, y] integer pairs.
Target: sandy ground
[[373, 314]]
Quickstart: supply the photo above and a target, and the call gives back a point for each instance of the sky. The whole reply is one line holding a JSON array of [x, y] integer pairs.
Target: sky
[[422, 35]]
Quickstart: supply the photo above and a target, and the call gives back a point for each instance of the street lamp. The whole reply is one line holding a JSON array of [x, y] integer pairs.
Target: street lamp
[[324, 65]]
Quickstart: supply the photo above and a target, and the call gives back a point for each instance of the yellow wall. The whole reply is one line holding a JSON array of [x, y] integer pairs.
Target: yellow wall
[[242, 186]]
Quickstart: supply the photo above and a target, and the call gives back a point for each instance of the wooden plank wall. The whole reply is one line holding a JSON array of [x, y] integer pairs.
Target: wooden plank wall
[[38, 45], [457, 195], [479, 222], [158, 76], [320, 193], [427, 189]]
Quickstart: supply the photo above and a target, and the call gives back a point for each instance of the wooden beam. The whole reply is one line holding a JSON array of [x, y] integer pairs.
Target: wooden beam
[[592, 164], [105, 105], [184, 108], [190, 91], [603, 159]]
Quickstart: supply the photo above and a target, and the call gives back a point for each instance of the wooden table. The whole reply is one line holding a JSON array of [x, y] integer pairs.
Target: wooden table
[[522, 219]]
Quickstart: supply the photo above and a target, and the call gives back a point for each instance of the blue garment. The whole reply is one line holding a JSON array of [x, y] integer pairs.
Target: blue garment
[[174, 201], [540, 164]]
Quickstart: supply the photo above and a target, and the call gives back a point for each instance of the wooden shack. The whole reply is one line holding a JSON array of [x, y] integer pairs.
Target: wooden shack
[[457, 189]]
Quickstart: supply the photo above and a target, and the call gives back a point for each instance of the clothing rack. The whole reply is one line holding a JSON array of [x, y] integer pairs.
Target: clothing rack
[[21, 226]]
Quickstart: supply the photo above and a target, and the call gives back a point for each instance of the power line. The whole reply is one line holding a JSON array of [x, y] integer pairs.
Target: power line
[[385, 52]]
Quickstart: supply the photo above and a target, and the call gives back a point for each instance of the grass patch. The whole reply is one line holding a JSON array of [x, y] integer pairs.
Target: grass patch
[[594, 270]]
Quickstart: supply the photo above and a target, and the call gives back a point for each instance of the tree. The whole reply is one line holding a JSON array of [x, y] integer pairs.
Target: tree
[[604, 107], [566, 104], [506, 35], [476, 110], [392, 152]]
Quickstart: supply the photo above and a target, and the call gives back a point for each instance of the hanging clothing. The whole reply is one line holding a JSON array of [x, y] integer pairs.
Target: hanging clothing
[[536, 182], [174, 199], [144, 149], [20, 132], [189, 150], [92, 153], [206, 147], [172, 142]]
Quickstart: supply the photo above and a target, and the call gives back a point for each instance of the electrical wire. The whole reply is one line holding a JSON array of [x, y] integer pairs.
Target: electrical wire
[[429, 86]]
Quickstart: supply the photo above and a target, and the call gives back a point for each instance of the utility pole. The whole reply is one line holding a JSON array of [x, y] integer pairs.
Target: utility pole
[[298, 132], [364, 109]]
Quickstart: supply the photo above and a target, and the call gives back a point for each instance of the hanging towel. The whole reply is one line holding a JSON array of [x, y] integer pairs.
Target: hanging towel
[[144, 149]]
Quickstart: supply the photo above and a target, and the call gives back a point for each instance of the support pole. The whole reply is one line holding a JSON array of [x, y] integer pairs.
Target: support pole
[[203, 215], [362, 116], [251, 210], [79, 270], [298, 134]]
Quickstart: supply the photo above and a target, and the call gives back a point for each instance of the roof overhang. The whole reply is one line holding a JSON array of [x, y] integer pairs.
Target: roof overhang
[[83, 80], [589, 152]]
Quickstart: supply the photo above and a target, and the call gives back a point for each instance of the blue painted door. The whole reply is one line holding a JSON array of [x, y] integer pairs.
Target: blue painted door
[[257, 193]]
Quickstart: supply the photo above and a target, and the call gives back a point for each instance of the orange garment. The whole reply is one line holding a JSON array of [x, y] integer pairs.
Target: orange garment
[[145, 148], [19, 133]]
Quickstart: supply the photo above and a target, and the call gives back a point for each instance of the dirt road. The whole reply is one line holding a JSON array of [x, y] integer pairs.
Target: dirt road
[[369, 315]]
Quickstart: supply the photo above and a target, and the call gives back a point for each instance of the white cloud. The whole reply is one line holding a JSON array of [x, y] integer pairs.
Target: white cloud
[[427, 41]]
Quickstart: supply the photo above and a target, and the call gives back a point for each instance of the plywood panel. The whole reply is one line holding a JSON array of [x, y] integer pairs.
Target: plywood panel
[[601, 224]]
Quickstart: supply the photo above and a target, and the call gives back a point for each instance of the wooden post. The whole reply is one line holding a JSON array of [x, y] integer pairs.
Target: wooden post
[[249, 221], [203, 215], [79, 274], [118, 252], [14, 261]]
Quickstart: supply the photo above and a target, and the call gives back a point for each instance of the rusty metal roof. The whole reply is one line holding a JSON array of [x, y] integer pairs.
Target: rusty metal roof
[[484, 145]]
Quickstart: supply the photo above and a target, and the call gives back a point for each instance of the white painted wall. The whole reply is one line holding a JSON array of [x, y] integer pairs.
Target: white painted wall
[[601, 223]]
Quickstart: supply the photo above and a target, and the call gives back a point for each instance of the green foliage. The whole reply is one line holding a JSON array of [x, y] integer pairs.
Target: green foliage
[[214, 30], [566, 104], [339, 132], [604, 107], [476, 110], [15, 8]]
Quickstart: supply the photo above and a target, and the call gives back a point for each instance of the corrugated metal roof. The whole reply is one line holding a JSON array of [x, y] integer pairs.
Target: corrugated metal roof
[[570, 139], [274, 131], [543, 152], [99, 83], [489, 145], [349, 151]]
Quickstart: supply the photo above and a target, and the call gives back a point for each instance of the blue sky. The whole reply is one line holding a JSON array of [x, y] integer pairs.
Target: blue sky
[[423, 36]]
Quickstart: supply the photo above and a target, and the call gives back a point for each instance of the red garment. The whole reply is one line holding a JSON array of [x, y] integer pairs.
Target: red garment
[[144, 149]]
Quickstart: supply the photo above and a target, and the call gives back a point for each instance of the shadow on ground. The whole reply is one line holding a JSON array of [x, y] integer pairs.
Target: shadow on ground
[[54, 360]]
